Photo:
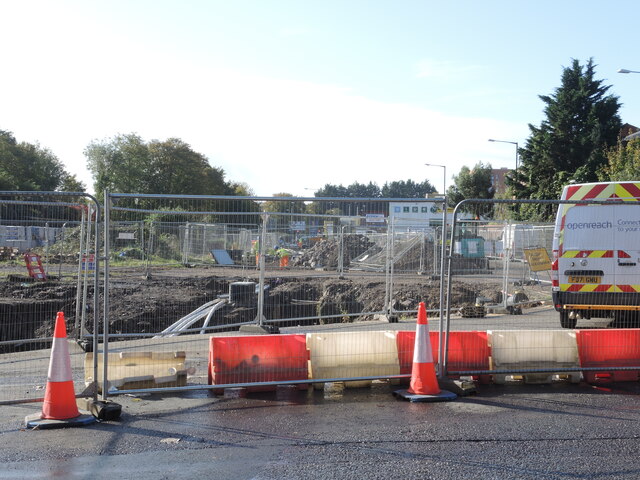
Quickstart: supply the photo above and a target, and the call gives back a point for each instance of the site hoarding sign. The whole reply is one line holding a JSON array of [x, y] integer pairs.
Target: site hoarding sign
[[538, 259], [375, 218], [297, 226]]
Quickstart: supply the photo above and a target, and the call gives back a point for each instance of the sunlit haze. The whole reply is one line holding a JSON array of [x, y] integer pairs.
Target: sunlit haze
[[287, 96]]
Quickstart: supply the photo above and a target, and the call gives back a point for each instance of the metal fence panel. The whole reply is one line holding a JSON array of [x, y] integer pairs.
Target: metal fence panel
[[48, 263], [192, 267], [529, 285]]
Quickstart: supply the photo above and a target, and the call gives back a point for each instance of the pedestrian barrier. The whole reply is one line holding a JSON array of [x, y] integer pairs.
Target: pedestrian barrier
[[129, 370], [534, 349], [353, 354], [608, 349], [262, 358], [34, 266], [467, 351], [405, 342], [423, 386], [560, 354], [59, 408]]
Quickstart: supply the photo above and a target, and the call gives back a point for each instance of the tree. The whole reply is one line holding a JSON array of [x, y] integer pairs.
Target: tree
[[70, 183], [623, 162], [127, 164], [581, 123], [475, 183], [282, 206], [407, 189], [28, 167], [395, 189]]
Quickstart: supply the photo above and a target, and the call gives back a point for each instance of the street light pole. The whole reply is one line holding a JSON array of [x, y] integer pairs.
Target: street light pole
[[624, 70], [512, 143]]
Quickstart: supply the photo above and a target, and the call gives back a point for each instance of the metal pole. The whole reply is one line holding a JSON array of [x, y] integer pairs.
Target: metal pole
[[387, 287], [105, 322], [46, 248], [506, 248], [64, 226], [185, 243], [263, 240], [78, 330], [142, 240], [443, 253], [341, 252], [423, 247], [436, 267], [85, 273], [150, 247], [445, 358], [391, 266]]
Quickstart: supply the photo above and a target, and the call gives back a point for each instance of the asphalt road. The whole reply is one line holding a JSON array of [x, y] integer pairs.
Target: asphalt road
[[558, 431]]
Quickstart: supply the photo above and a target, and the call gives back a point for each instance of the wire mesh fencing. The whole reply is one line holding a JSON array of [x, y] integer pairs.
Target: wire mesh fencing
[[183, 268], [339, 279], [527, 286], [49, 262]]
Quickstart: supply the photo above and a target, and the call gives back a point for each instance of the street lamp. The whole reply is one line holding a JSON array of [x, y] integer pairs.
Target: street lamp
[[444, 182], [624, 70], [512, 143]]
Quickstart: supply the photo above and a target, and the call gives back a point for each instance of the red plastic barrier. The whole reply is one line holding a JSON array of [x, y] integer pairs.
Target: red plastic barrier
[[609, 348], [406, 341], [467, 351], [260, 358]]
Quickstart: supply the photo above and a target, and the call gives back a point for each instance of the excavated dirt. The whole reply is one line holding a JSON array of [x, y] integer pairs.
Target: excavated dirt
[[148, 305], [309, 290]]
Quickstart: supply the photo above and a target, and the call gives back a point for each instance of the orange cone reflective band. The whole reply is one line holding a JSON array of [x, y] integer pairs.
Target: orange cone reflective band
[[60, 397], [423, 372]]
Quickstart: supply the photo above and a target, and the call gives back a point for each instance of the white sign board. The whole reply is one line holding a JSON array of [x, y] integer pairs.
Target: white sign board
[[297, 226], [375, 218]]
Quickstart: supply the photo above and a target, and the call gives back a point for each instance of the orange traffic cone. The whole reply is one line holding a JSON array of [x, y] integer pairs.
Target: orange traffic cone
[[424, 384], [59, 408]]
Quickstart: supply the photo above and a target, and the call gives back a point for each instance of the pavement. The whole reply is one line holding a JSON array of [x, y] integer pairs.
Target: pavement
[[556, 431]]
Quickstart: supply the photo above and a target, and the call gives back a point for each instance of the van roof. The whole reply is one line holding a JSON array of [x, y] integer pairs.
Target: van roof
[[602, 190]]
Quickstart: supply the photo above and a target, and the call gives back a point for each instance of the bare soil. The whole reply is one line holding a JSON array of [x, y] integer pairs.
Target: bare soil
[[309, 291], [140, 304]]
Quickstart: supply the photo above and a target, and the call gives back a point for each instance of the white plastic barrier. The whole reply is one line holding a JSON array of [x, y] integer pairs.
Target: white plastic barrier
[[530, 349], [353, 354], [128, 370]]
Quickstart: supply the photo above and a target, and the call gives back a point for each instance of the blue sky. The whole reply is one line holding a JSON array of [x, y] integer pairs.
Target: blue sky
[[289, 95]]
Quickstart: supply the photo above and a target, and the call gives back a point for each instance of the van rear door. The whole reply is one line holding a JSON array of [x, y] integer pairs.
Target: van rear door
[[588, 259], [627, 245]]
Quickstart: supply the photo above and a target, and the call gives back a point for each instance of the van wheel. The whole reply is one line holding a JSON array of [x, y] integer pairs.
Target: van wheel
[[565, 321]]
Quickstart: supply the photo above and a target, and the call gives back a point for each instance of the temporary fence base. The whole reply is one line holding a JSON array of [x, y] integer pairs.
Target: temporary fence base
[[443, 396], [36, 421], [259, 329]]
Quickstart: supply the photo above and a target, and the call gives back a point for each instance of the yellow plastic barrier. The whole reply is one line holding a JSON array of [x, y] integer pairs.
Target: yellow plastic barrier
[[353, 354], [129, 370], [534, 349]]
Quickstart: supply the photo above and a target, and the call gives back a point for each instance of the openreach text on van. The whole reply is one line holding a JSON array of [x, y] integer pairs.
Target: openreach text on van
[[589, 225]]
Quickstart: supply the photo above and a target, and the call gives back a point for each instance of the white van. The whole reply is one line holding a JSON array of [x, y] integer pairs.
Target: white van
[[596, 253]]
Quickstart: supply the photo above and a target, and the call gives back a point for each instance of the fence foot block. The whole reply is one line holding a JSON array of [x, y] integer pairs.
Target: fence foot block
[[259, 329], [235, 392], [104, 410], [461, 388]]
